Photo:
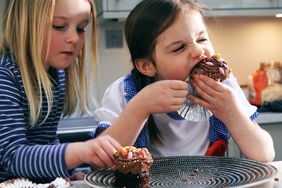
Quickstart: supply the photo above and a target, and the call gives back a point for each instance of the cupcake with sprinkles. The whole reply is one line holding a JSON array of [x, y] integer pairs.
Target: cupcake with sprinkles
[[214, 67], [132, 167]]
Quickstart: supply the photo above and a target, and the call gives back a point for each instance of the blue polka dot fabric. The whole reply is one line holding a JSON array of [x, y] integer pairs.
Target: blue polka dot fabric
[[217, 130], [130, 91], [101, 125]]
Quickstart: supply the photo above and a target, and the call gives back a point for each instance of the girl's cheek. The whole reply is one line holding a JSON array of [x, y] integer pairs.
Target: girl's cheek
[[55, 44]]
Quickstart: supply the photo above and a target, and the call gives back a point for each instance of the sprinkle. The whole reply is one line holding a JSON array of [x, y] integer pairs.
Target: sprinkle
[[220, 59], [132, 148], [145, 149], [209, 63], [225, 65], [218, 56], [141, 153], [221, 70], [129, 155]]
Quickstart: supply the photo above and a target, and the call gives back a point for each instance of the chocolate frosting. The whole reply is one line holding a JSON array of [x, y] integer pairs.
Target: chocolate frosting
[[133, 160], [134, 166], [214, 67]]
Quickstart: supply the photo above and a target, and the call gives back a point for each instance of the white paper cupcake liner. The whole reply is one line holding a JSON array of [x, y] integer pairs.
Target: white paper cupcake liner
[[26, 183], [191, 111]]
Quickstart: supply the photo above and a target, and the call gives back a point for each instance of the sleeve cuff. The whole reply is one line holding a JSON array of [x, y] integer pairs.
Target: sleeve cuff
[[101, 126]]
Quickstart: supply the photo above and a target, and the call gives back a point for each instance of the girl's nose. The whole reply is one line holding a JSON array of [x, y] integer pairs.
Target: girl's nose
[[73, 36], [197, 51]]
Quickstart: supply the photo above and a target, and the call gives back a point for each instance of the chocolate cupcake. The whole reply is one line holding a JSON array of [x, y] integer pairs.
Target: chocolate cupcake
[[132, 167], [214, 67]]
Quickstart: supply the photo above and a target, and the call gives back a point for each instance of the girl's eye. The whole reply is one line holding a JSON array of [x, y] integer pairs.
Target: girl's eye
[[203, 40], [59, 27], [179, 48], [80, 30]]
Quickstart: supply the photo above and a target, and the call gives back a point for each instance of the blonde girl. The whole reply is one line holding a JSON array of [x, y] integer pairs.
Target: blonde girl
[[42, 78]]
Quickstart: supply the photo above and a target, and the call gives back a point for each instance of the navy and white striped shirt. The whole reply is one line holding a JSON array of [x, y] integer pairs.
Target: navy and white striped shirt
[[28, 152]]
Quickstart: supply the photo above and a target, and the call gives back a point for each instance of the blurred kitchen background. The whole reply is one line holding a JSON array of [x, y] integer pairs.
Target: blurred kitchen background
[[248, 34]]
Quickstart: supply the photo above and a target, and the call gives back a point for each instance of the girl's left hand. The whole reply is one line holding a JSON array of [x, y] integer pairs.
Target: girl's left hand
[[217, 97]]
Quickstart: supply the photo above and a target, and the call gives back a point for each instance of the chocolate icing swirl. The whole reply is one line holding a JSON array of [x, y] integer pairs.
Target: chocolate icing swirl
[[214, 67]]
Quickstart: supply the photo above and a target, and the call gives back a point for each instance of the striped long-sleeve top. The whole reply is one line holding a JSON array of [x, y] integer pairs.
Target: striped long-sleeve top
[[24, 151]]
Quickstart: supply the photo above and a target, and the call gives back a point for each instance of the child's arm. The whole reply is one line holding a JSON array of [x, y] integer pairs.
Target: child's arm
[[159, 97], [254, 142]]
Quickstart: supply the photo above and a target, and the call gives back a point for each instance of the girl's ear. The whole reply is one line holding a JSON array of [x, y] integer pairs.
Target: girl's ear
[[146, 67]]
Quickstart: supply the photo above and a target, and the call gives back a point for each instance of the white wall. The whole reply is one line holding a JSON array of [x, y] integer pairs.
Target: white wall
[[246, 41], [114, 62]]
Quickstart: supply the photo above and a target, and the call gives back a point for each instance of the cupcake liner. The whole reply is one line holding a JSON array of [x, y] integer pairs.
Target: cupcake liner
[[26, 183], [191, 111], [17, 183]]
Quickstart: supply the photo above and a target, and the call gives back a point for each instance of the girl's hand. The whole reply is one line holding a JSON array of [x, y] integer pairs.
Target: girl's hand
[[97, 152], [162, 96], [217, 97]]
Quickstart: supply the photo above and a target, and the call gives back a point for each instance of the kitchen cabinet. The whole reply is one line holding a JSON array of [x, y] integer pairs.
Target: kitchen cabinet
[[119, 9], [241, 4], [115, 9], [274, 129], [243, 7], [272, 123]]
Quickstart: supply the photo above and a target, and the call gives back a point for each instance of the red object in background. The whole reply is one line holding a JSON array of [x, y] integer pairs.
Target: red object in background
[[218, 148], [260, 82]]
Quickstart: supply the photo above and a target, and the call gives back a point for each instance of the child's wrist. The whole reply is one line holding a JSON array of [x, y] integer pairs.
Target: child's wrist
[[139, 107], [73, 155]]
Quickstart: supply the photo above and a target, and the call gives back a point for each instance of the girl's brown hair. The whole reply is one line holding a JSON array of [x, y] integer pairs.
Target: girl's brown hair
[[144, 24]]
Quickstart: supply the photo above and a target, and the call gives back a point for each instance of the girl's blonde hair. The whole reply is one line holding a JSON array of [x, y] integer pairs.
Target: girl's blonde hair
[[26, 25]]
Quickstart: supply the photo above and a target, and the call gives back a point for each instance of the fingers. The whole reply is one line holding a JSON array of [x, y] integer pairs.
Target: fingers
[[96, 161], [206, 87], [77, 176], [179, 93], [103, 148], [105, 157], [199, 101], [177, 84], [115, 144]]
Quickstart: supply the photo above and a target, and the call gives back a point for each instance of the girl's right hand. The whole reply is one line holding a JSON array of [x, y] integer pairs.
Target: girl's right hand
[[162, 96], [97, 152]]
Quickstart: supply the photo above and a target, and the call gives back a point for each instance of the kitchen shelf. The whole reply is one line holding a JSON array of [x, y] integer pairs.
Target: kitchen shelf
[[119, 9]]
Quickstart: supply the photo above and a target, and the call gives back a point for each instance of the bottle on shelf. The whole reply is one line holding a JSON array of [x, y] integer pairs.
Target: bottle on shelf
[[260, 82], [273, 73]]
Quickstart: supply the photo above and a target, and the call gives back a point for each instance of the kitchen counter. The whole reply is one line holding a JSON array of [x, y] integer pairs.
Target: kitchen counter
[[76, 129], [272, 123], [269, 118], [88, 124], [78, 125]]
